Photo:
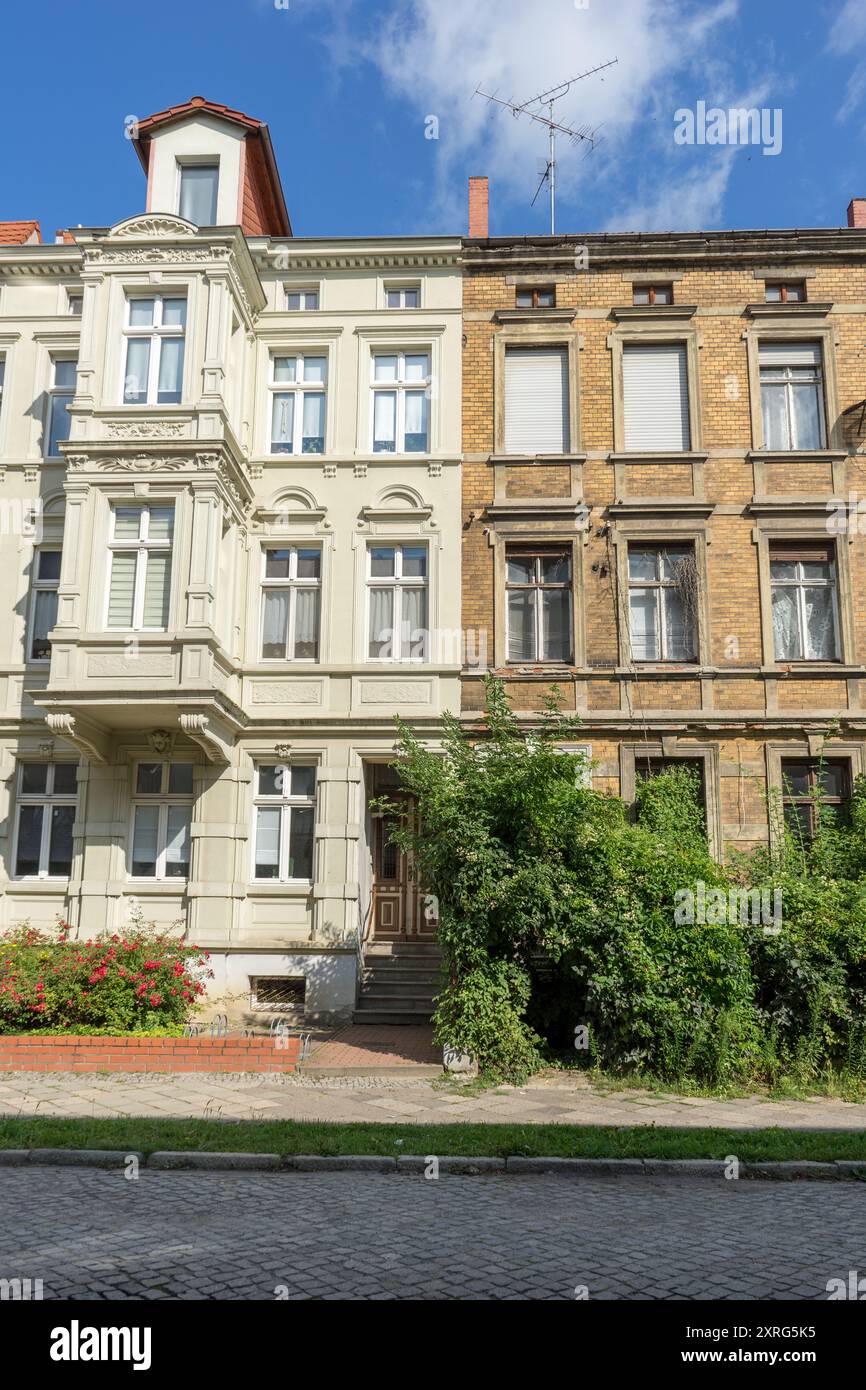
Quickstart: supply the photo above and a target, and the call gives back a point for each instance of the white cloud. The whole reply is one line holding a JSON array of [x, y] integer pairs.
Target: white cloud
[[847, 35], [433, 55]]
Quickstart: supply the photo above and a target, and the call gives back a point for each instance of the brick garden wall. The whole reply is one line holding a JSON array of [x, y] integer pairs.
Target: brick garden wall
[[148, 1054]]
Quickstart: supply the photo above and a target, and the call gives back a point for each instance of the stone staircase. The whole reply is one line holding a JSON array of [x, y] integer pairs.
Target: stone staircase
[[399, 981]]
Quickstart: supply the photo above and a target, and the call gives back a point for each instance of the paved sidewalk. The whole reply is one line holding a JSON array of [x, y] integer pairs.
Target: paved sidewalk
[[550, 1099], [365, 1047]]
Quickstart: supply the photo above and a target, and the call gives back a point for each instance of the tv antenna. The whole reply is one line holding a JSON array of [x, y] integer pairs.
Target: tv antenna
[[534, 110]]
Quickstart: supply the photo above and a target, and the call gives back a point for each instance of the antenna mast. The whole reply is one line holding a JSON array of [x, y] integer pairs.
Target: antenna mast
[[532, 109]]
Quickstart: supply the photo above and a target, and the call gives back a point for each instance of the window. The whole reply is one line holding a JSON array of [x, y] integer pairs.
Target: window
[[198, 193], [2, 375], [397, 580], [43, 611], [74, 303], [792, 292], [162, 810], [662, 587], [401, 392], [60, 395], [655, 384], [536, 400], [285, 814], [646, 766], [402, 297], [653, 294], [809, 784], [141, 541], [154, 332], [46, 813], [538, 601], [298, 386], [537, 298], [803, 583], [291, 598], [792, 395], [302, 299]]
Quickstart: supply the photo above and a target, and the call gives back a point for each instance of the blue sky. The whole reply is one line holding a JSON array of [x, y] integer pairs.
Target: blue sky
[[346, 87]]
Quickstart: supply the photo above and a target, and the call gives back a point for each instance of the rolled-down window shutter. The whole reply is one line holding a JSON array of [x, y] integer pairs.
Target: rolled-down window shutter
[[656, 396], [536, 401], [790, 354]]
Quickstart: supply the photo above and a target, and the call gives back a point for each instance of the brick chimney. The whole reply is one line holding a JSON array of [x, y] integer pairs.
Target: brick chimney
[[857, 212], [479, 198]]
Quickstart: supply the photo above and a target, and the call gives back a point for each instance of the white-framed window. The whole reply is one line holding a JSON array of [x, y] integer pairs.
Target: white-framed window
[[397, 603], [655, 387], [198, 185], [805, 615], [291, 602], [154, 333], [536, 400], [792, 395], [403, 296], [662, 627], [298, 388], [45, 815], [538, 603], [140, 583], [285, 813], [161, 815], [304, 297], [60, 394], [401, 402], [74, 303], [43, 602], [2, 377]]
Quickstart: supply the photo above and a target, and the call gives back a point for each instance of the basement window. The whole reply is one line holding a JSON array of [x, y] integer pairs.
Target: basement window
[[278, 993]]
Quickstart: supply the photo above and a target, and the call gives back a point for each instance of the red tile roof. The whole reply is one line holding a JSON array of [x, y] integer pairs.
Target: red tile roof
[[17, 233]]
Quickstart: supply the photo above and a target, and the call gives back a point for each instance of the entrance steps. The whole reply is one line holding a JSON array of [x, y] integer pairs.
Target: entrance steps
[[399, 981]]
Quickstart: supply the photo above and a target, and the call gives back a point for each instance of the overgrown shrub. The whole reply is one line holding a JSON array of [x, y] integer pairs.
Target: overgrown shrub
[[141, 980], [556, 912]]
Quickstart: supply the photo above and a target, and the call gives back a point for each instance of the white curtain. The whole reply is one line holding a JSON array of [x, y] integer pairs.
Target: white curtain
[[382, 622], [786, 634], [275, 622], [414, 634], [307, 624]]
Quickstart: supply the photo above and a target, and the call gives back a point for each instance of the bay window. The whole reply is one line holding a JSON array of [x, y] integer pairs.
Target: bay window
[[43, 611], [397, 598], [298, 389], [291, 603], [60, 394], [401, 399], [154, 333], [805, 617], [47, 796], [285, 801], [162, 812], [140, 582]]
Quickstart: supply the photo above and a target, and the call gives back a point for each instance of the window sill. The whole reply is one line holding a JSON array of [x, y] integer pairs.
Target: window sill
[[654, 311], [299, 888], [659, 456], [763, 309], [45, 884], [796, 456], [522, 459]]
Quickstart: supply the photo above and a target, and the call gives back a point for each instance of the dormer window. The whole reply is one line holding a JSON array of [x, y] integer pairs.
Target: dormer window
[[197, 200]]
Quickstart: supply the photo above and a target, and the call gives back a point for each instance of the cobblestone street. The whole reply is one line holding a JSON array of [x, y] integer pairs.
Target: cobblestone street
[[91, 1234]]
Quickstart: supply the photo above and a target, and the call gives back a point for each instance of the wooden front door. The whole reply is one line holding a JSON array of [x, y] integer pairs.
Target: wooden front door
[[398, 900]]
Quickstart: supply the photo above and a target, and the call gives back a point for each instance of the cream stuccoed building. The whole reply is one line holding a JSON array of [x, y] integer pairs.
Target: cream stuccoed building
[[230, 550]]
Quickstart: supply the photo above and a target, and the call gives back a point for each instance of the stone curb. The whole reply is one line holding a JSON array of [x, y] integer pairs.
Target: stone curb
[[212, 1162], [450, 1163], [838, 1170]]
